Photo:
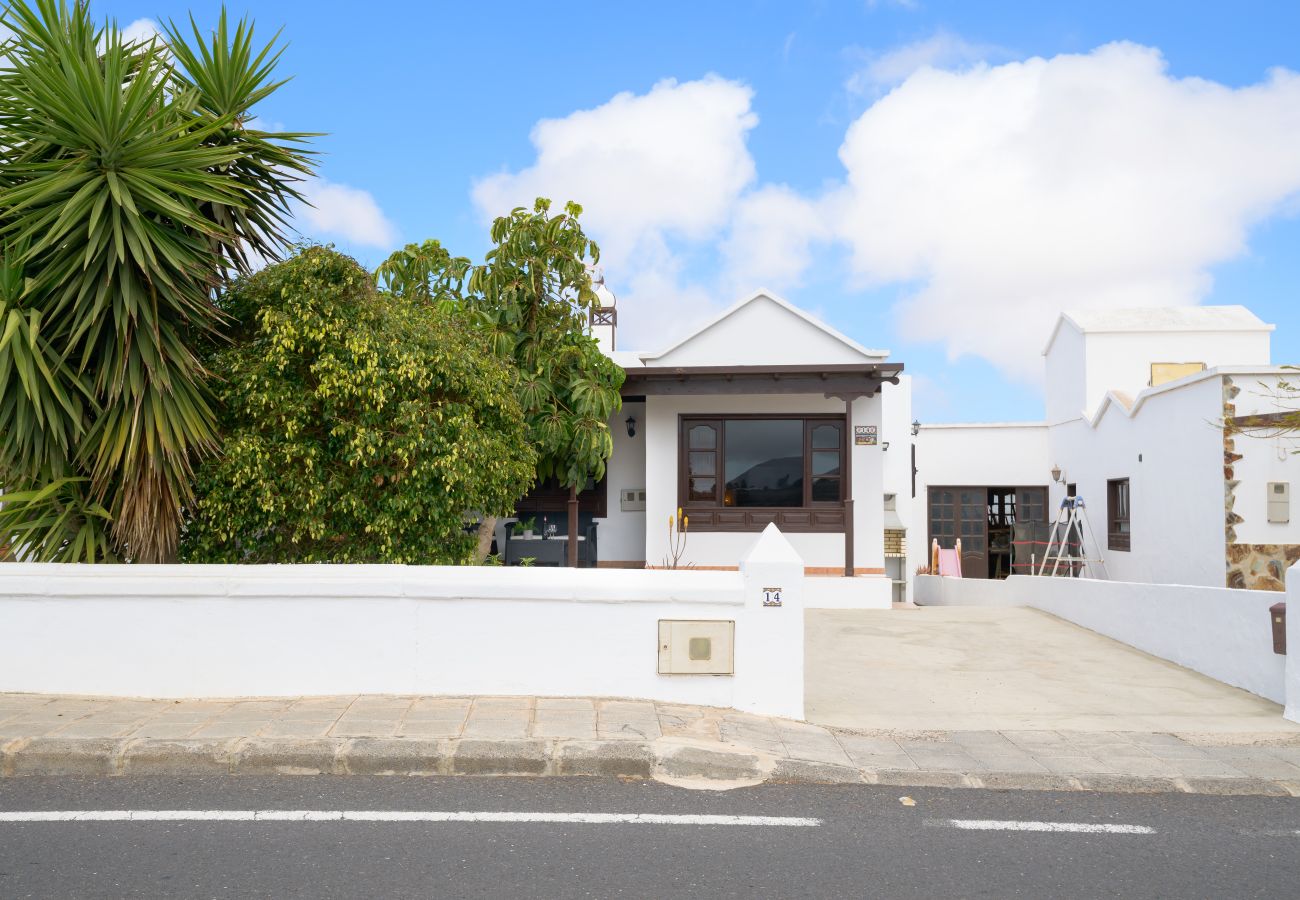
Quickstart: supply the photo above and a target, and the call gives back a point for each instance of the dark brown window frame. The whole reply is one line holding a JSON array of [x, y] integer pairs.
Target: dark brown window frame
[[1116, 539], [815, 516]]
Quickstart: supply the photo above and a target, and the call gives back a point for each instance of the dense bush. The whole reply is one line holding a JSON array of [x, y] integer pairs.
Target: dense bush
[[357, 427]]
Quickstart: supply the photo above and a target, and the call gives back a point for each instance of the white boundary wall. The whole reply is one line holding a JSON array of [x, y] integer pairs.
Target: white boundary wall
[[859, 592], [1223, 633], [1293, 643], [262, 631]]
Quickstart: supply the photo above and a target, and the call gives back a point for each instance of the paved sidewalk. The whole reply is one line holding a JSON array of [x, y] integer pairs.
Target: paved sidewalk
[[47, 735]]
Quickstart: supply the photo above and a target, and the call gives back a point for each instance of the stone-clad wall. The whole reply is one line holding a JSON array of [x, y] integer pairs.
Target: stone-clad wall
[[1261, 566], [1256, 566]]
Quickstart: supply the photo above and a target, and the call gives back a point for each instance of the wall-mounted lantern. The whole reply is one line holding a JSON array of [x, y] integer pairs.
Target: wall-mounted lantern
[[631, 426], [1056, 474], [916, 427]]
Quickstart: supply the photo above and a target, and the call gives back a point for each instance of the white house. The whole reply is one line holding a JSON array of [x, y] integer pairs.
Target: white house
[[1160, 420], [762, 415]]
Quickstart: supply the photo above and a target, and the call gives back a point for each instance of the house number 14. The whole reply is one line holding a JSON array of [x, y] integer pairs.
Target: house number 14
[[771, 596]]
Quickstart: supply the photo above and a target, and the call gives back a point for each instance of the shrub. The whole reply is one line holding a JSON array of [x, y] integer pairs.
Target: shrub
[[358, 427]]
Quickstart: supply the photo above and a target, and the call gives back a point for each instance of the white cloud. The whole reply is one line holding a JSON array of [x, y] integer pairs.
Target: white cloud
[[140, 30], [657, 304], [649, 170], [772, 236], [667, 163], [1012, 192], [942, 50], [998, 194], [350, 213]]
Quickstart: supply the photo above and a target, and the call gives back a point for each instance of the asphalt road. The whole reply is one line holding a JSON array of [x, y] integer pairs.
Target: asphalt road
[[860, 842]]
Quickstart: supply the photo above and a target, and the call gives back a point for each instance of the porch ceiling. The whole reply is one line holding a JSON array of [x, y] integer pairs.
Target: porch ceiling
[[846, 381]]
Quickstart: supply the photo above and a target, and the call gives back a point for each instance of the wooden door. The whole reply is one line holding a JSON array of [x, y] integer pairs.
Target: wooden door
[[943, 517], [973, 529], [962, 512]]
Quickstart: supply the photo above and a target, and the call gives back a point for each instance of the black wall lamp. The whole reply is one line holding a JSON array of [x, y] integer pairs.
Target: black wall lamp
[[916, 427], [631, 426]]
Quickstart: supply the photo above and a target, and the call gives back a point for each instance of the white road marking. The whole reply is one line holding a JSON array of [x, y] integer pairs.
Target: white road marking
[[349, 815], [1076, 827]]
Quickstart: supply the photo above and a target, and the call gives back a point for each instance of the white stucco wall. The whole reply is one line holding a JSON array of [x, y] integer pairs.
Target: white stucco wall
[[1065, 370], [1123, 361], [1293, 643], [1265, 458], [1225, 634], [1176, 486], [241, 631], [896, 429], [1006, 454], [868, 486], [725, 549], [1082, 367], [622, 534]]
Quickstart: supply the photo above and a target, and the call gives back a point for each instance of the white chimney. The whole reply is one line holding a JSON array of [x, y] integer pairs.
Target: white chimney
[[604, 319]]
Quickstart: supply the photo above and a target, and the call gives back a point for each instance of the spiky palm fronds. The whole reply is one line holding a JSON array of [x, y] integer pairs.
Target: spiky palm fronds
[[128, 191]]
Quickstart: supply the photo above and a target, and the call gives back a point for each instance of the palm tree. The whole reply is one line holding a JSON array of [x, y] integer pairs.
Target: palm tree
[[131, 187]]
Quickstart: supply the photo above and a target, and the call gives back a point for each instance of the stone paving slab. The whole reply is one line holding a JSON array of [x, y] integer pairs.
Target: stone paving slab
[[57, 735]]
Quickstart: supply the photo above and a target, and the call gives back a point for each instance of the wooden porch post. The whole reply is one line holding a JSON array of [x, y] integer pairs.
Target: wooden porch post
[[848, 487], [573, 527]]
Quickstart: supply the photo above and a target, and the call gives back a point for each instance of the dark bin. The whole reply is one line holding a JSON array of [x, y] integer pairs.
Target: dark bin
[[1277, 612]]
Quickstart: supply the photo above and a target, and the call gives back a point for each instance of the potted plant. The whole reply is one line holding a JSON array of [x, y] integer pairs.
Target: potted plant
[[524, 528]]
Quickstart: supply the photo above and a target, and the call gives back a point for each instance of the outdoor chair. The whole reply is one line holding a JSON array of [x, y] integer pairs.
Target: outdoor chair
[[555, 551]]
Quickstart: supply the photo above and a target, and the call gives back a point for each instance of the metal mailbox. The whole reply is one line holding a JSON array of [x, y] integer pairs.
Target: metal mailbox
[[1277, 613]]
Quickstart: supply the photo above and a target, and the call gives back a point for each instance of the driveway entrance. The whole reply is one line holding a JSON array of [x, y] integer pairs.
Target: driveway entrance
[[963, 668]]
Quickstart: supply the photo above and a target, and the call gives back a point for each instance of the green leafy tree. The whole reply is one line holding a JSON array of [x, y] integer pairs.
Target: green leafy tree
[[425, 273], [534, 292], [533, 296], [358, 427], [131, 186]]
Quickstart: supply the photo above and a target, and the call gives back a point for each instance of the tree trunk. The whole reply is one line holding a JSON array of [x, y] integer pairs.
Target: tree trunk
[[486, 529]]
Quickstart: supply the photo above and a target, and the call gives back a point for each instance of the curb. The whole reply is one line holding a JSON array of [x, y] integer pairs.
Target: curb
[[667, 760]]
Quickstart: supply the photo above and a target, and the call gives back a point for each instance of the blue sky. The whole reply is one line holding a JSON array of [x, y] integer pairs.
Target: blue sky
[[938, 178]]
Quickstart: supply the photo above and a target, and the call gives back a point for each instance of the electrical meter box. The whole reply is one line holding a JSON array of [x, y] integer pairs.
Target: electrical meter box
[[631, 499], [696, 646], [1279, 502]]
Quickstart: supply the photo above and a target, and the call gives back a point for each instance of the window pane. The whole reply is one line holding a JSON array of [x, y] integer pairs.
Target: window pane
[[703, 437], [764, 462], [826, 462], [826, 490], [826, 436], [702, 488], [704, 463]]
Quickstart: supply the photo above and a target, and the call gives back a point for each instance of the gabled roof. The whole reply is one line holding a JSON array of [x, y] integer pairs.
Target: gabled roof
[[1147, 320], [781, 302]]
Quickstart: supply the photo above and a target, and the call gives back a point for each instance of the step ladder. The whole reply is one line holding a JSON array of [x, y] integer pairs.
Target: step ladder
[[1066, 543]]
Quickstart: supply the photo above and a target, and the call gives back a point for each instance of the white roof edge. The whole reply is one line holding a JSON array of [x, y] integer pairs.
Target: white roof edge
[[985, 425], [1056, 329], [1111, 398], [1186, 328], [779, 301]]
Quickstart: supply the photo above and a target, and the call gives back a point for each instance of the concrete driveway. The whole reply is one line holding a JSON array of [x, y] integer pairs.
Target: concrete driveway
[[964, 668]]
